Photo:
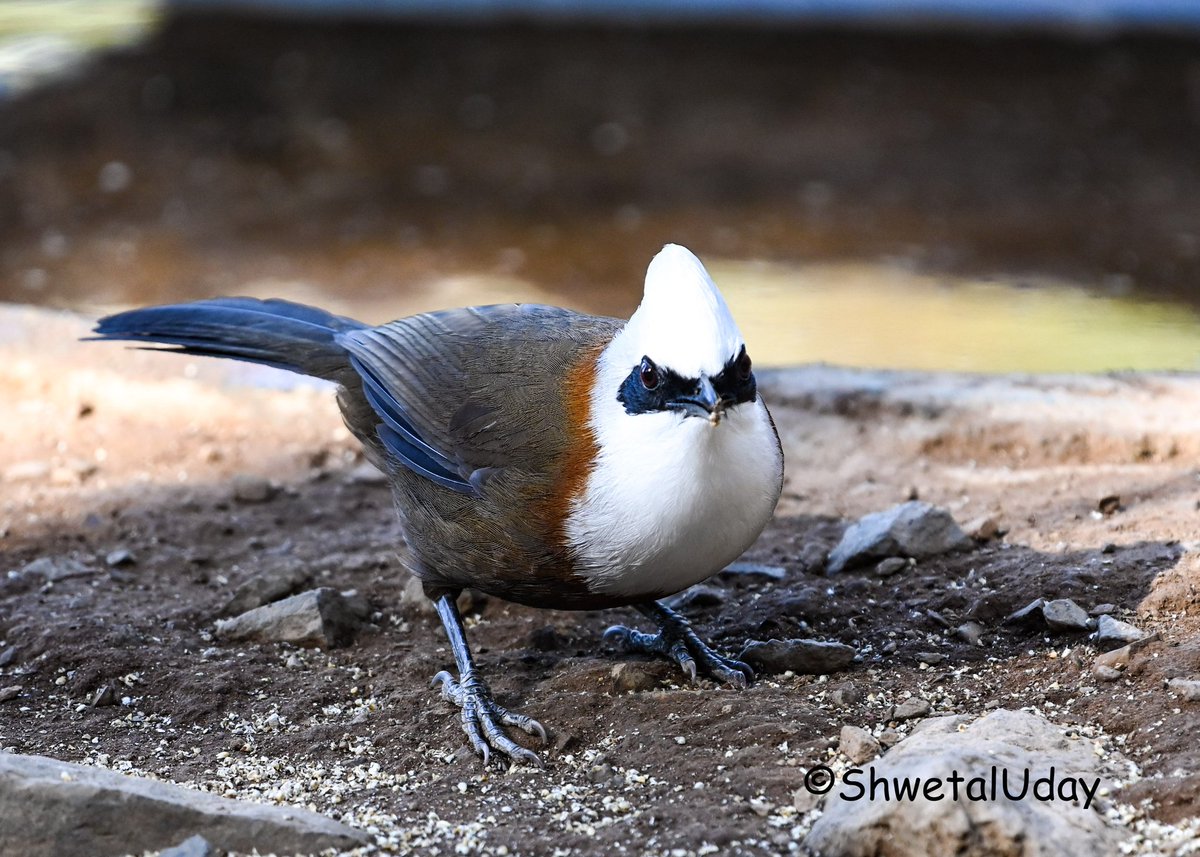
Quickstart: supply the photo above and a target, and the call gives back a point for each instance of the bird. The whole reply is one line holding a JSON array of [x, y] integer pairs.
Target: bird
[[541, 455]]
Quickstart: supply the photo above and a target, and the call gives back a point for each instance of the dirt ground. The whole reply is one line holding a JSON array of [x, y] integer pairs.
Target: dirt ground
[[106, 449]]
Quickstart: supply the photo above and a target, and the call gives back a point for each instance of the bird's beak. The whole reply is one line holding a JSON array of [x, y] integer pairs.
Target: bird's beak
[[704, 402]]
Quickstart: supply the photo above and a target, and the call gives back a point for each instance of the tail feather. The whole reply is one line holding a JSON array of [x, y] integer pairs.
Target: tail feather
[[274, 332]]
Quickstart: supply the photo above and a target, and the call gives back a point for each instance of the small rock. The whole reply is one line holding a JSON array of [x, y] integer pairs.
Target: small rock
[[1102, 609], [193, 846], [890, 566], [1188, 688], [7, 655], [1119, 659], [912, 529], [804, 657], [317, 617], [910, 708], [10, 692], [857, 744], [1112, 633], [105, 695], [1109, 505], [26, 471], [366, 474], [119, 557], [845, 696], [699, 596], [601, 773], [1063, 614], [270, 585], [774, 572], [1105, 673], [983, 529], [1030, 614], [889, 738], [631, 678], [56, 568], [930, 658], [248, 488], [970, 633]]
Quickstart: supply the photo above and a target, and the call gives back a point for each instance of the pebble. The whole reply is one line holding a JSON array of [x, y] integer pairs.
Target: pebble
[[1101, 609], [774, 572], [1063, 614], [983, 529], [970, 633], [699, 596], [910, 708], [1112, 633], [803, 657], [105, 695], [10, 692], [631, 678], [119, 557], [1030, 614], [321, 617], [248, 488], [890, 738], [890, 566], [845, 696], [931, 658], [7, 655], [1105, 673], [26, 471], [1188, 688], [857, 744]]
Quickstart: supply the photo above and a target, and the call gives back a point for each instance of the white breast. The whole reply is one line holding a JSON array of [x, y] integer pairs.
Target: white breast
[[672, 499]]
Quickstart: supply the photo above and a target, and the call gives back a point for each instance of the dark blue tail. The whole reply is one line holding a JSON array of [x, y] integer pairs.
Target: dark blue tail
[[272, 332]]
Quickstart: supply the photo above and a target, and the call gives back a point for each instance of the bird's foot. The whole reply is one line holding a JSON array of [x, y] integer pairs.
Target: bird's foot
[[676, 640], [482, 717]]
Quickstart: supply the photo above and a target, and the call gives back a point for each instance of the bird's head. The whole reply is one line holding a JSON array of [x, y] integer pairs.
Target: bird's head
[[681, 352]]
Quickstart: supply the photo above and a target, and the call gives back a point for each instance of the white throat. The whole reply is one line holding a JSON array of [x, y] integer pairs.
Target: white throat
[[672, 499]]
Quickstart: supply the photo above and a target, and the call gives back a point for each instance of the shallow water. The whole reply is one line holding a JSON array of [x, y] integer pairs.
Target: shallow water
[[876, 315]]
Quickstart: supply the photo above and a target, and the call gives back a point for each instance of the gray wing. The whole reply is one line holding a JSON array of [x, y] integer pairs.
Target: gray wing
[[463, 394]]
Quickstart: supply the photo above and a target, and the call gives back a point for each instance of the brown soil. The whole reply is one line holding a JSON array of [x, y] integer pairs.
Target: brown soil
[[172, 438]]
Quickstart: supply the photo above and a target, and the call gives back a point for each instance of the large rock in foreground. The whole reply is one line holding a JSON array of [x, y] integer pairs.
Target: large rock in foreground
[[50, 808], [978, 822]]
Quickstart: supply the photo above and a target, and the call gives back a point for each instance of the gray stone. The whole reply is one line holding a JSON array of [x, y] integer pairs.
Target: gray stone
[[700, 595], [910, 708], [50, 808], [773, 572], [10, 692], [631, 678], [1105, 673], [248, 488], [1101, 609], [1030, 614], [53, 568], [1112, 633], [7, 655], [193, 846], [268, 586], [119, 557], [318, 617], [805, 657], [890, 566], [1188, 688], [857, 744], [913, 529], [890, 738], [1119, 659], [1063, 614], [970, 633], [1013, 741], [845, 696], [931, 658]]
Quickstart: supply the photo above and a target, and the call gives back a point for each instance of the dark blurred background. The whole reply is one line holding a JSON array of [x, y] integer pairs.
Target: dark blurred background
[[928, 184]]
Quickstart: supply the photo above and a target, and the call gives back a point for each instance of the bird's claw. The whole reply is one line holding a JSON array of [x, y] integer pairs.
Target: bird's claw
[[682, 645], [482, 717]]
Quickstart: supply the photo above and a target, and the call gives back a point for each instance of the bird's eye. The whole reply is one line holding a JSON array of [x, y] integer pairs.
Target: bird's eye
[[648, 373], [744, 365]]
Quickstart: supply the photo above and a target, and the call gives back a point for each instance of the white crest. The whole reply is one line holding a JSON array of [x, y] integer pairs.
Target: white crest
[[683, 323]]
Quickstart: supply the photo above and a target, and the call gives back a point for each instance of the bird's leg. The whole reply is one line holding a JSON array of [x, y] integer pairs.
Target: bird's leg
[[676, 640], [481, 715]]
